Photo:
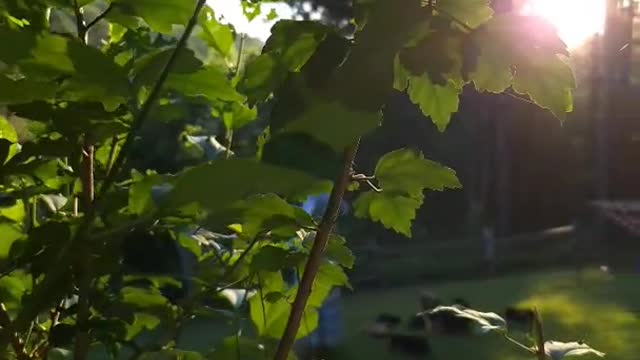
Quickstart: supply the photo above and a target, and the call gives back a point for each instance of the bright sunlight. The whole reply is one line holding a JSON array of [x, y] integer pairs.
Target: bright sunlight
[[576, 20]]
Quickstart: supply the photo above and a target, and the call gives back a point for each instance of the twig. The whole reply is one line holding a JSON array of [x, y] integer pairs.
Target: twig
[[83, 340], [539, 332], [99, 17], [519, 344], [9, 331], [315, 256], [148, 104]]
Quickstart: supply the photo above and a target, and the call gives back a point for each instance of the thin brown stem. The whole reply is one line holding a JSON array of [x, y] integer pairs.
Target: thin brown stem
[[315, 257], [539, 333], [9, 331]]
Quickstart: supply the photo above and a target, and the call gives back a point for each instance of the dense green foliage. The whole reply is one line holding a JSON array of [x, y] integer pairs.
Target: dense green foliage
[[87, 76]]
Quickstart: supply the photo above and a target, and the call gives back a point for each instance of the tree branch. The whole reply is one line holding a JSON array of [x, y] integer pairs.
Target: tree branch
[[315, 256], [99, 17]]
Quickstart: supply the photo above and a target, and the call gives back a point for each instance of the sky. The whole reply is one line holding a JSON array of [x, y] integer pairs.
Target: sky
[[258, 28]]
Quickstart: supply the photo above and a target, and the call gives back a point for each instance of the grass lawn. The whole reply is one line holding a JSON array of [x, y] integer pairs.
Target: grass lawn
[[597, 307]]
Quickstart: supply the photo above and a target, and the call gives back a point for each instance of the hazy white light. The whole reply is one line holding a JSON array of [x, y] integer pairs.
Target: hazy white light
[[576, 20], [260, 27]]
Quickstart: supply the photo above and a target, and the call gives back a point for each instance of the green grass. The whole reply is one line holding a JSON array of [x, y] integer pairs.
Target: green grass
[[599, 308]]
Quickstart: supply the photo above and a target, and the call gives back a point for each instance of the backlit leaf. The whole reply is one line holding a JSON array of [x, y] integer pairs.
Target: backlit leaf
[[393, 211], [216, 35], [436, 101], [160, 15], [210, 83], [406, 170]]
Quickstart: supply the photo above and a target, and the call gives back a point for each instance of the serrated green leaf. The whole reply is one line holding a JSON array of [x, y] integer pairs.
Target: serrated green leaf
[[393, 211], [407, 171], [140, 193], [160, 15], [329, 276], [472, 13], [493, 70], [216, 35], [549, 82], [210, 83], [436, 101]]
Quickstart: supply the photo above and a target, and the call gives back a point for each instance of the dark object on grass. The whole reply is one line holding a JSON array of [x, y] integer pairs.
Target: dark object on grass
[[429, 301], [388, 319], [416, 323], [519, 319], [409, 344], [446, 323]]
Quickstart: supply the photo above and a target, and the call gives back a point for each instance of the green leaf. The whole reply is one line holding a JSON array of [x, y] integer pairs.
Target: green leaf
[[295, 41], [189, 243], [407, 171], [338, 251], [436, 101], [472, 13], [25, 90], [251, 10], [231, 347], [216, 35], [261, 77], [140, 195], [394, 211], [403, 176], [270, 259], [272, 15], [237, 115], [549, 82], [322, 118], [270, 317], [13, 287], [7, 132], [493, 70], [210, 83], [92, 76], [526, 53], [248, 176], [160, 15], [14, 213], [270, 212], [329, 276], [148, 68]]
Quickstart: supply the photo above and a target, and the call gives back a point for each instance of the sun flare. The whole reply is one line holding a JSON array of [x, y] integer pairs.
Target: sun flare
[[576, 20]]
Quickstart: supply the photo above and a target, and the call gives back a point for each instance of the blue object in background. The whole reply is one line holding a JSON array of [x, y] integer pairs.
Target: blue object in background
[[330, 330]]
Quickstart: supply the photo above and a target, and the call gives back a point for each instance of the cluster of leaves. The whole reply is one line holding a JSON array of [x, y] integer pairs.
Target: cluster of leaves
[[87, 75], [487, 322]]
